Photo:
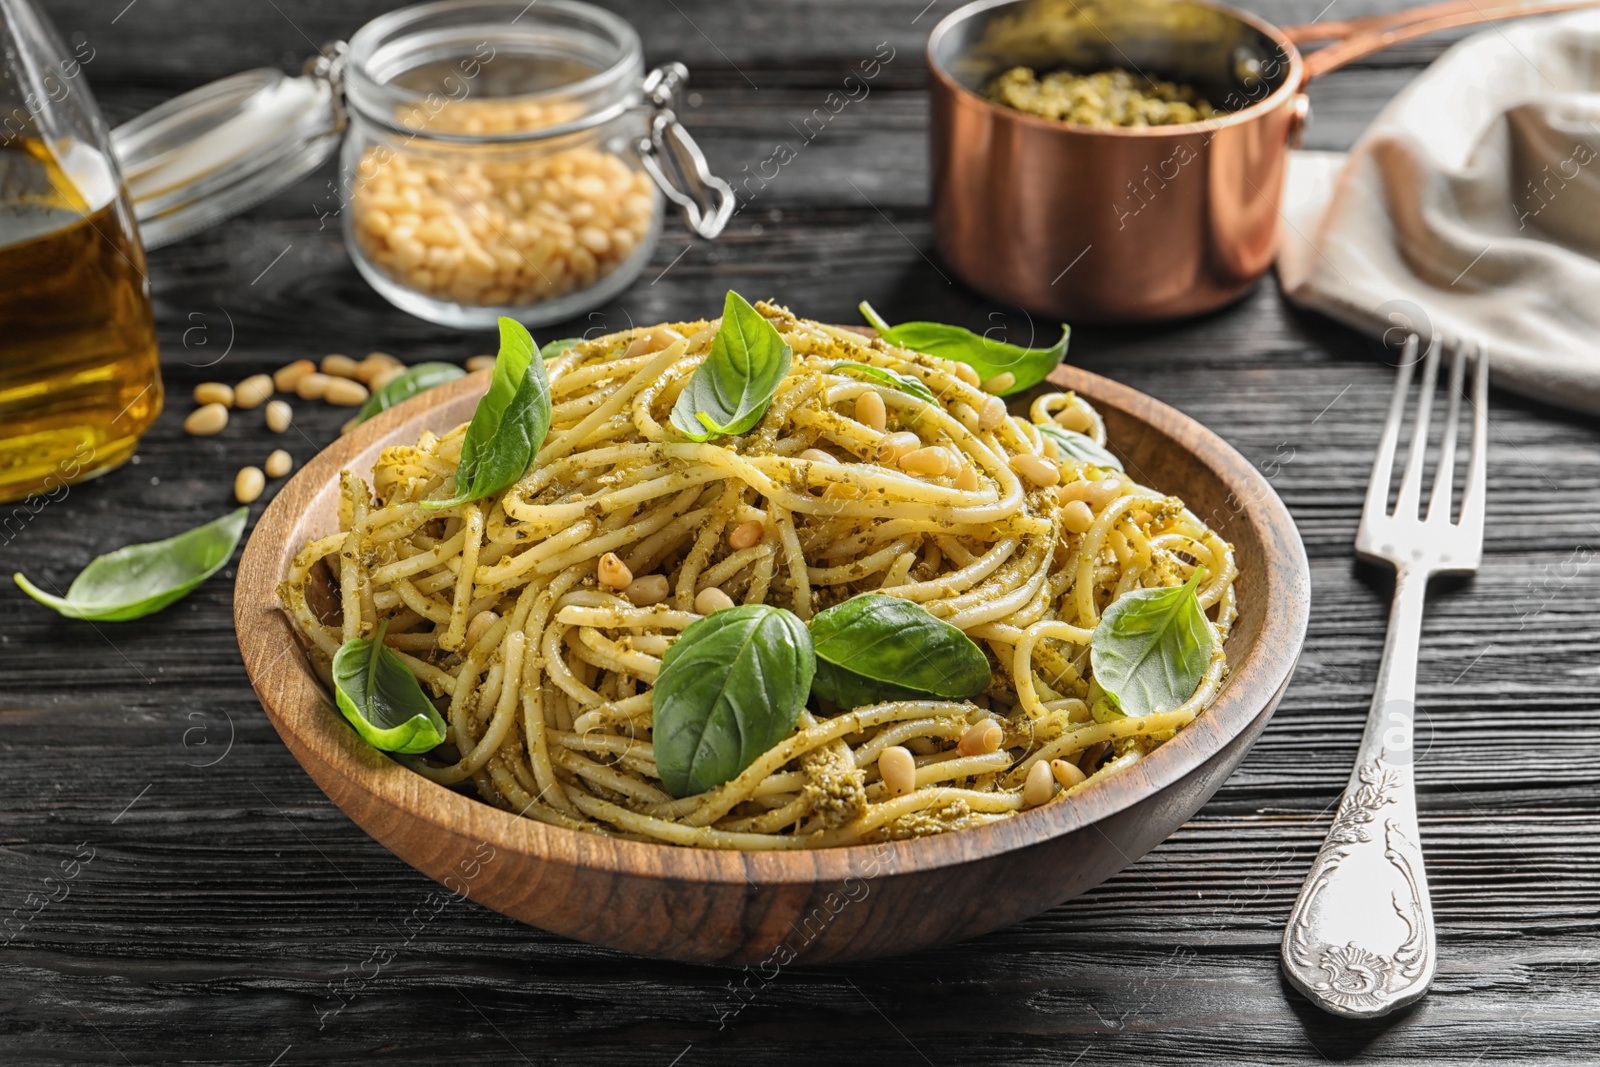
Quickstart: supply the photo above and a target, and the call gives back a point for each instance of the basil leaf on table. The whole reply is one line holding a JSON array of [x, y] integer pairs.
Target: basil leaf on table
[[730, 391], [730, 688], [894, 379], [509, 425], [139, 580], [988, 357], [1152, 647], [380, 696], [1078, 446], [874, 648], [417, 379]]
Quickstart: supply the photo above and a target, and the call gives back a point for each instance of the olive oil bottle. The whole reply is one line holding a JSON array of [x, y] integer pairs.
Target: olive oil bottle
[[79, 374]]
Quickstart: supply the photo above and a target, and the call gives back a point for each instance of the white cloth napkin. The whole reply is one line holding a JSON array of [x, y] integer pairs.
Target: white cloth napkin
[[1472, 204]]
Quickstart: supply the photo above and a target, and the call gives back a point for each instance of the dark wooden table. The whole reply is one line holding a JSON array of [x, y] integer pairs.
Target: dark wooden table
[[226, 899]]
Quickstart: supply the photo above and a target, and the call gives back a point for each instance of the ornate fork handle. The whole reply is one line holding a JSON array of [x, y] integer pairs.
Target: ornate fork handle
[[1360, 940]]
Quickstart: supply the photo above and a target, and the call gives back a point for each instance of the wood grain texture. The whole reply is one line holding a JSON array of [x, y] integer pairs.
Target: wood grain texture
[[232, 915]]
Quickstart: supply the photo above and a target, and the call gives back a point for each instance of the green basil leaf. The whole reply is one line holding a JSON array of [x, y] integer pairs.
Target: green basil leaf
[[380, 696], [874, 648], [1152, 647], [509, 425], [983, 354], [139, 580], [552, 349], [894, 379], [730, 688], [730, 391], [1080, 447], [417, 379]]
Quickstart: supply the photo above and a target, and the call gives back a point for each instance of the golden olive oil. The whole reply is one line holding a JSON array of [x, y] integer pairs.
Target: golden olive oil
[[79, 374]]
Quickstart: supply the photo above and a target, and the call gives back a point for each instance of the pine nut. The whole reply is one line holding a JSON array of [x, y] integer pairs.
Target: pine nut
[[279, 463], [747, 535], [967, 479], [711, 599], [286, 377], [477, 363], [870, 411], [966, 373], [346, 393], [899, 770], [1073, 418], [1040, 787], [648, 590], [313, 386], [932, 461], [992, 415], [1049, 448], [1066, 773], [1076, 516], [385, 376], [999, 383], [895, 445], [375, 364], [206, 420], [337, 366], [1103, 492], [817, 455], [981, 737], [279, 415], [248, 483], [613, 573], [214, 393], [253, 391], [479, 626], [1036, 469]]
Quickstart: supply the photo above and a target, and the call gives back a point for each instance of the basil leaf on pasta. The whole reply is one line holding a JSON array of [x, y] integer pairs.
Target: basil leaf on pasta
[[874, 648], [139, 580], [509, 425], [1079, 447], [1152, 647], [894, 379], [380, 696], [552, 349], [989, 357], [417, 379], [730, 688], [730, 391]]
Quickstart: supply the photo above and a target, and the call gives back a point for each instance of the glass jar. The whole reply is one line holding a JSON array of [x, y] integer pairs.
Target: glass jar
[[79, 375], [499, 157]]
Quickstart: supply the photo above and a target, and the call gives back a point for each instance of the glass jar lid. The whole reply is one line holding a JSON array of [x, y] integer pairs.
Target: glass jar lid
[[223, 148]]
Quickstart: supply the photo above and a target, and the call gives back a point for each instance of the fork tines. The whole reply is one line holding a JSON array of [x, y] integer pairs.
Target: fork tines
[[1377, 521]]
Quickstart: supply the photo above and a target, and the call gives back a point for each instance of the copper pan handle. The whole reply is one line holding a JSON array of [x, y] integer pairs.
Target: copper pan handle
[[1354, 38]]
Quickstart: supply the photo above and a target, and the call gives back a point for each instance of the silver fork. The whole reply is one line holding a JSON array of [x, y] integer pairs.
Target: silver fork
[[1360, 939]]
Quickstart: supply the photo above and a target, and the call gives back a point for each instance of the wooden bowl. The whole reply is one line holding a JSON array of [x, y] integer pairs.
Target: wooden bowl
[[772, 908]]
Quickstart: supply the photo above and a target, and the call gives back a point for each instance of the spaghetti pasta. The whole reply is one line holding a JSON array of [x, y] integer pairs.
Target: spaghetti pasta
[[544, 674]]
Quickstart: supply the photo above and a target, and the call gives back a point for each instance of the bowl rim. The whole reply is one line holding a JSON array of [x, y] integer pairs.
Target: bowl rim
[[1293, 82], [304, 716]]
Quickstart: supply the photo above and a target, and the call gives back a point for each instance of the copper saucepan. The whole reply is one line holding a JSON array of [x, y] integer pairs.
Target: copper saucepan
[[1143, 223]]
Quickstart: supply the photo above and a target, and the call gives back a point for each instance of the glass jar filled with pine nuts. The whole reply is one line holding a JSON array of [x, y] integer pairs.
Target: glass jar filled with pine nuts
[[511, 159], [498, 157]]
